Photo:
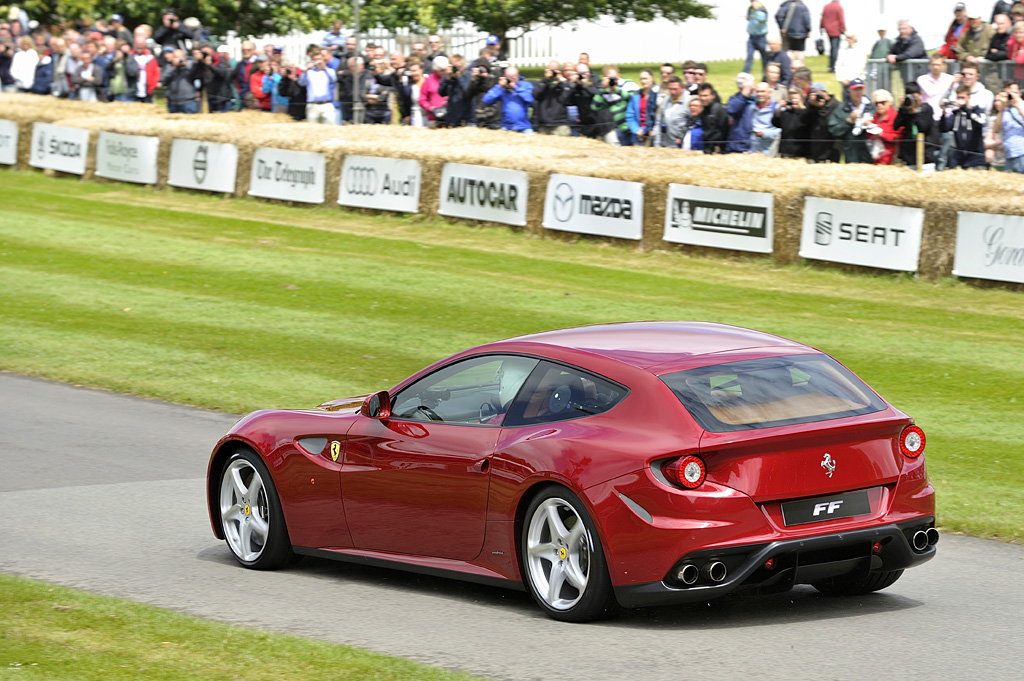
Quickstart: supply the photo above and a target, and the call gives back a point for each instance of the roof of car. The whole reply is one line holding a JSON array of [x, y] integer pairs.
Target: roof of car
[[646, 344]]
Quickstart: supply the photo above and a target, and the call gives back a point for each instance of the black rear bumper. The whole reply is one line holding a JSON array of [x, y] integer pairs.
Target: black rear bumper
[[796, 561]]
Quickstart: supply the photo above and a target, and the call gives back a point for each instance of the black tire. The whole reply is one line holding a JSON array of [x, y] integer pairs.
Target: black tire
[[252, 546], [876, 581], [577, 553]]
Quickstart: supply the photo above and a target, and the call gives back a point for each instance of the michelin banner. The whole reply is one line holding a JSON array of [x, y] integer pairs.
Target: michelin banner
[[483, 193], [867, 234], [989, 247], [203, 165], [288, 175], [381, 183], [129, 158], [719, 218], [59, 147], [591, 205], [8, 142]]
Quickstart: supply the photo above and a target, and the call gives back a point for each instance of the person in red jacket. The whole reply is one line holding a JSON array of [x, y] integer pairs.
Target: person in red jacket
[[149, 71], [833, 24], [956, 28], [883, 135], [263, 96]]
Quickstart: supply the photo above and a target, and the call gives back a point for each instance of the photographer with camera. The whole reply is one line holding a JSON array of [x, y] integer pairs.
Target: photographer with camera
[[434, 106], [613, 96], [87, 79], [7, 83], [848, 121], [215, 76], [483, 76], [171, 33], [178, 78], [296, 93], [822, 146], [516, 97], [454, 81], [594, 123], [319, 82], [550, 101], [916, 116], [967, 123], [789, 118], [1009, 126], [378, 90]]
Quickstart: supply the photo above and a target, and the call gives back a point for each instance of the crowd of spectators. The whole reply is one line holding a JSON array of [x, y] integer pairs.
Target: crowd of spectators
[[968, 119]]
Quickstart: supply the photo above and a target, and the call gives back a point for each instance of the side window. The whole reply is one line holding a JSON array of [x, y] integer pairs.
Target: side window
[[555, 392], [475, 391]]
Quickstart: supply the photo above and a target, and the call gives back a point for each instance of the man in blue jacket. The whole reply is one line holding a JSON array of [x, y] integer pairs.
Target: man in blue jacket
[[516, 97], [794, 21], [757, 34], [741, 125]]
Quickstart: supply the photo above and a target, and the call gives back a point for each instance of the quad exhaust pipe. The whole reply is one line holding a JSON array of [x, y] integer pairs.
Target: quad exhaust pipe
[[688, 574], [933, 536], [922, 539], [715, 571]]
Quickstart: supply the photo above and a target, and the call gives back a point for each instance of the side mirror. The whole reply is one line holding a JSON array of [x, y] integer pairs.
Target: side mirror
[[377, 405]]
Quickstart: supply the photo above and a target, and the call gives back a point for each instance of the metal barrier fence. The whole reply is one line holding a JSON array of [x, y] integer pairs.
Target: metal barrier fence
[[880, 73]]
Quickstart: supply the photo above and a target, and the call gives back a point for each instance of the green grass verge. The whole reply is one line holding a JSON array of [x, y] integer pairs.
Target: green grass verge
[[55, 633], [237, 305]]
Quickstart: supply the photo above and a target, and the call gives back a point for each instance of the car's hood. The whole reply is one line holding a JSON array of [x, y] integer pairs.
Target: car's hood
[[344, 403]]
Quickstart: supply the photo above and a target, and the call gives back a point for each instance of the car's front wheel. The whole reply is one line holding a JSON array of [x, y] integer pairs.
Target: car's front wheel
[[876, 581], [250, 513], [563, 563]]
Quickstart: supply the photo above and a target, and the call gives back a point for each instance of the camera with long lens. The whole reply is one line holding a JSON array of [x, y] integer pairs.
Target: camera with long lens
[[498, 68], [909, 102]]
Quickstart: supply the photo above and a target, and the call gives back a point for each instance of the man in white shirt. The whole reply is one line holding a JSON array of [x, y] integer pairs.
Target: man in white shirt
[[319, 83]]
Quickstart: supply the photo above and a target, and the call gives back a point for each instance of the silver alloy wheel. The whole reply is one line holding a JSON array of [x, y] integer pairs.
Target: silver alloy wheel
[[558, 548], [244, 512]]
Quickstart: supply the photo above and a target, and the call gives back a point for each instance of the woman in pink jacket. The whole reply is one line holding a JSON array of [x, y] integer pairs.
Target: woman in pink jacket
[[430, 99]]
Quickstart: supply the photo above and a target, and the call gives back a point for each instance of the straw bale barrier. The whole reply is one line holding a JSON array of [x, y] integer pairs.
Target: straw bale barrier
[[941, 195]]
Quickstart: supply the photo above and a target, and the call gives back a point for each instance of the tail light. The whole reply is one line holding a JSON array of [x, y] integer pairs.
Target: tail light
[[686, 471], [912, 442]]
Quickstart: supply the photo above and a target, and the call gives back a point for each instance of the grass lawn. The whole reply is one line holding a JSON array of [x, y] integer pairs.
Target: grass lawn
[[54, 633], [237, 305]]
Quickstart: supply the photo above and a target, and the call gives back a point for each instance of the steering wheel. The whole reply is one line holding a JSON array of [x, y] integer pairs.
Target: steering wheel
[[487, 411], [431, 414]]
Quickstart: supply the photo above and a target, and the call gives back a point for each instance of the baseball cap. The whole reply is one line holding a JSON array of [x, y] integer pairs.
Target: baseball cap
[[492, 39], [818, 87], [856, 83], [441, 62], [117, 17], [959, 7], [224, 49], [278, 48]]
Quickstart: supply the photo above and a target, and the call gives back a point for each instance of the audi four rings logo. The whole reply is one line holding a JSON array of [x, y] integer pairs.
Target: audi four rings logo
[[823, 229], [361, 181], [563, 202]]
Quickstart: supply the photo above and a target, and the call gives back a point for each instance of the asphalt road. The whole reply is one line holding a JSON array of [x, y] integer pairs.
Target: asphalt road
[[106, 493]]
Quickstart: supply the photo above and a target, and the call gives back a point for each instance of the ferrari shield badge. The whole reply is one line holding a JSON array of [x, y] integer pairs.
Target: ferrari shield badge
[[335, 450]]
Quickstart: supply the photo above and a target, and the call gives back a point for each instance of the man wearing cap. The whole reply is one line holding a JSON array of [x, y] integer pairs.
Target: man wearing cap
[[741, 124], [848, 121], [822, 147], [494, 44], [956, 29], [118, 29], [974, 41]]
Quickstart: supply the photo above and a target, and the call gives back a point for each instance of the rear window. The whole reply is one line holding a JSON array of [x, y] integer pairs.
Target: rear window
[[769, 392]]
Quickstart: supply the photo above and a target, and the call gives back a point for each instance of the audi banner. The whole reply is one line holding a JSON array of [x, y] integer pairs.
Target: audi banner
[[288, 175], [591, 205], [129, 158], [719, 218], [867, 234], [989, 247], [380, 183], [59, 147], [483, 193], [8, 142], [203, 165]]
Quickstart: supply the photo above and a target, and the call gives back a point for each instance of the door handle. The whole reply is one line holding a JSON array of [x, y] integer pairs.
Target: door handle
[[480, 466]]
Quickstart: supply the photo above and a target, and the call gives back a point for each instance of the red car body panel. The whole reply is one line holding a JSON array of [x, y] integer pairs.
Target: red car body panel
[[450, 497]]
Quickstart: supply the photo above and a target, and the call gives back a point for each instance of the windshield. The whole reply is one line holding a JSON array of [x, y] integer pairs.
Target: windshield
[[774, 391]]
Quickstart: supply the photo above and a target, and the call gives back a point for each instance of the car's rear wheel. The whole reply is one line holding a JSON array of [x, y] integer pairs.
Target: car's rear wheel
[[563, 561], [876, 581], [250, 513]]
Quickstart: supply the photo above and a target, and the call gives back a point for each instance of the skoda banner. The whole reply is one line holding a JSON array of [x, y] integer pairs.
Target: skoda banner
[[989, 247], [59, 147], [381, 183], [483, 193], [203, 165], [867, 234], [288, 175], [8, 142], [719, 218], [590, 205], [129, 158]]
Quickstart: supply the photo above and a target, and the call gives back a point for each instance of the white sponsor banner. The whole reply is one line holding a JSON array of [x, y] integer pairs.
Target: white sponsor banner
[[129, 158], [989, 247], [590, 205], [203, 165], [59, 147], [288, 175], [381, 183], [719, 218], [483, 193], [8, 142], [868, 234]]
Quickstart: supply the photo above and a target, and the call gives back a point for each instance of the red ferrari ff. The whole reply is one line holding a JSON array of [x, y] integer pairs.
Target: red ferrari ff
[[639, 464]]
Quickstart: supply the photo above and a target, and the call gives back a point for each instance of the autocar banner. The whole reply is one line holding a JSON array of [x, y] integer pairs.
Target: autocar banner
[[483, 193], [8, 142], [288, 175], [719, 218], [989, 247], [129, 158], [867, 234], [380, 183], [59, 147], [591, 205], [197, 164]]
